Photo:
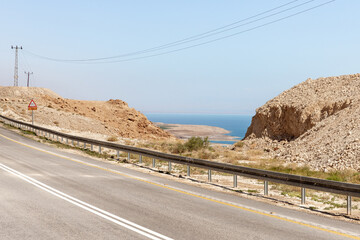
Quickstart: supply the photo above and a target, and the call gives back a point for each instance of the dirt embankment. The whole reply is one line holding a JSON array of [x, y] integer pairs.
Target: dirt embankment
[[316, 123], [87, 118]]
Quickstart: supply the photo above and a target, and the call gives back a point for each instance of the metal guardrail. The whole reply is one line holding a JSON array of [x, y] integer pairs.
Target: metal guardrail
[[347, 189]]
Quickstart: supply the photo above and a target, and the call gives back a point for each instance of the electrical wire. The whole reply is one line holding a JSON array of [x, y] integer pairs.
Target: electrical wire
[[29, 69], [185, 40], [91, 61], [23, 56], [218, 39]]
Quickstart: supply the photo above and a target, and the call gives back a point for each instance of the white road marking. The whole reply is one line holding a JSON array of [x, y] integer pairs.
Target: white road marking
[[244, 207], [102, 213]]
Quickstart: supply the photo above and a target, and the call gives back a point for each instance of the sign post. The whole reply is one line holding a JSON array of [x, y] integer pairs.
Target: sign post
[[32, 106]]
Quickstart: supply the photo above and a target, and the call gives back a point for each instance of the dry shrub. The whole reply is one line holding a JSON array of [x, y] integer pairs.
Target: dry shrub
[[207, 154], [239, 144], [178, 148], [112, 139]]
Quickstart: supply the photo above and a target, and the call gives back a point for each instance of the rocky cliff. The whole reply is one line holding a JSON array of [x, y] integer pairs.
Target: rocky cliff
[[315, 122]]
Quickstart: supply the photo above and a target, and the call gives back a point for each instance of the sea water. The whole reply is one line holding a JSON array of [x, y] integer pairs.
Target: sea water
[[236, 124]]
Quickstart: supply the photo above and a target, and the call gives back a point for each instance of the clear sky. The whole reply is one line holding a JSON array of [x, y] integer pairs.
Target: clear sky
[[234, 75]]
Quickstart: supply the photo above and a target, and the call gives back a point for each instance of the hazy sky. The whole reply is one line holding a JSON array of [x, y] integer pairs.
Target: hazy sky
[[233, 75]]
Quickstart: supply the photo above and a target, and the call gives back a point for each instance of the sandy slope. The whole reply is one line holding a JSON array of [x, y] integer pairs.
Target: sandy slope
[[98, 119]]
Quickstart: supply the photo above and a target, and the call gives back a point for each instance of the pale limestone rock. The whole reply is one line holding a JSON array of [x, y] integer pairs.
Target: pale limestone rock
[[319, 120]]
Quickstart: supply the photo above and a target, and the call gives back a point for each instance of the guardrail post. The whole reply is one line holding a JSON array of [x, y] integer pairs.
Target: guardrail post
[[84, 145], [348, 205], [140, 158], [153, 162], [303, 196], [345, 189], [235, 181], [169, 167], [266, 188], [118, 154], [92, 147]]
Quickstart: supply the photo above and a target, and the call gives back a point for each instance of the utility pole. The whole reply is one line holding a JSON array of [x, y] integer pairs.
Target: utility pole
[[28, 79], [16, 75]]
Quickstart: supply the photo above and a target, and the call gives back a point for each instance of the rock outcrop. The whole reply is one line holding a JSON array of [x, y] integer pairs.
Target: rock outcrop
[[316, 122]]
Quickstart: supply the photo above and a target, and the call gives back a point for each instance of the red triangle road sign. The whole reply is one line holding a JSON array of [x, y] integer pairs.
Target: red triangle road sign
[[32, 105]]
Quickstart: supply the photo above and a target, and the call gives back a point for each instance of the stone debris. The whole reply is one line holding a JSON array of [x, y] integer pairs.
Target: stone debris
[[314, 123]]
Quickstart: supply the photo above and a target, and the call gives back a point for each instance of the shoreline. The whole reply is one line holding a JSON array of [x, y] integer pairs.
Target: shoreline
[[186, 131]]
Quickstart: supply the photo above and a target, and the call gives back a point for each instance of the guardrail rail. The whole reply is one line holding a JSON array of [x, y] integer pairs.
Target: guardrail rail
[[347, 189]]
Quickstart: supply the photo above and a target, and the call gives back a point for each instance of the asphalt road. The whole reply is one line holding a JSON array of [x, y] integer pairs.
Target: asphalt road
[[46, 193]]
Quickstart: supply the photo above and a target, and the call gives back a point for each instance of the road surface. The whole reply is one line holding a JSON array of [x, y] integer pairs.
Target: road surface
[[47, 193]]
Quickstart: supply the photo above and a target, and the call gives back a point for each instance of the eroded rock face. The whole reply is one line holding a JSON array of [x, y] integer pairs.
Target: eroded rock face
[[314, 123], [295, 111]]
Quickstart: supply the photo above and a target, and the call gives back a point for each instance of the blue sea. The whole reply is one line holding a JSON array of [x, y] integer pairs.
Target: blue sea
[[236, 124]]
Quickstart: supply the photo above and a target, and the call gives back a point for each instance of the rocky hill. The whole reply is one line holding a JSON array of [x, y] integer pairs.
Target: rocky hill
[[104, 118], [315, 123]]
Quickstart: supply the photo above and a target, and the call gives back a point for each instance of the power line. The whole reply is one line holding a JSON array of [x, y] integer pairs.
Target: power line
[[218, 39], [91, 61], [185, 40], [24, 58], [28, 68]]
